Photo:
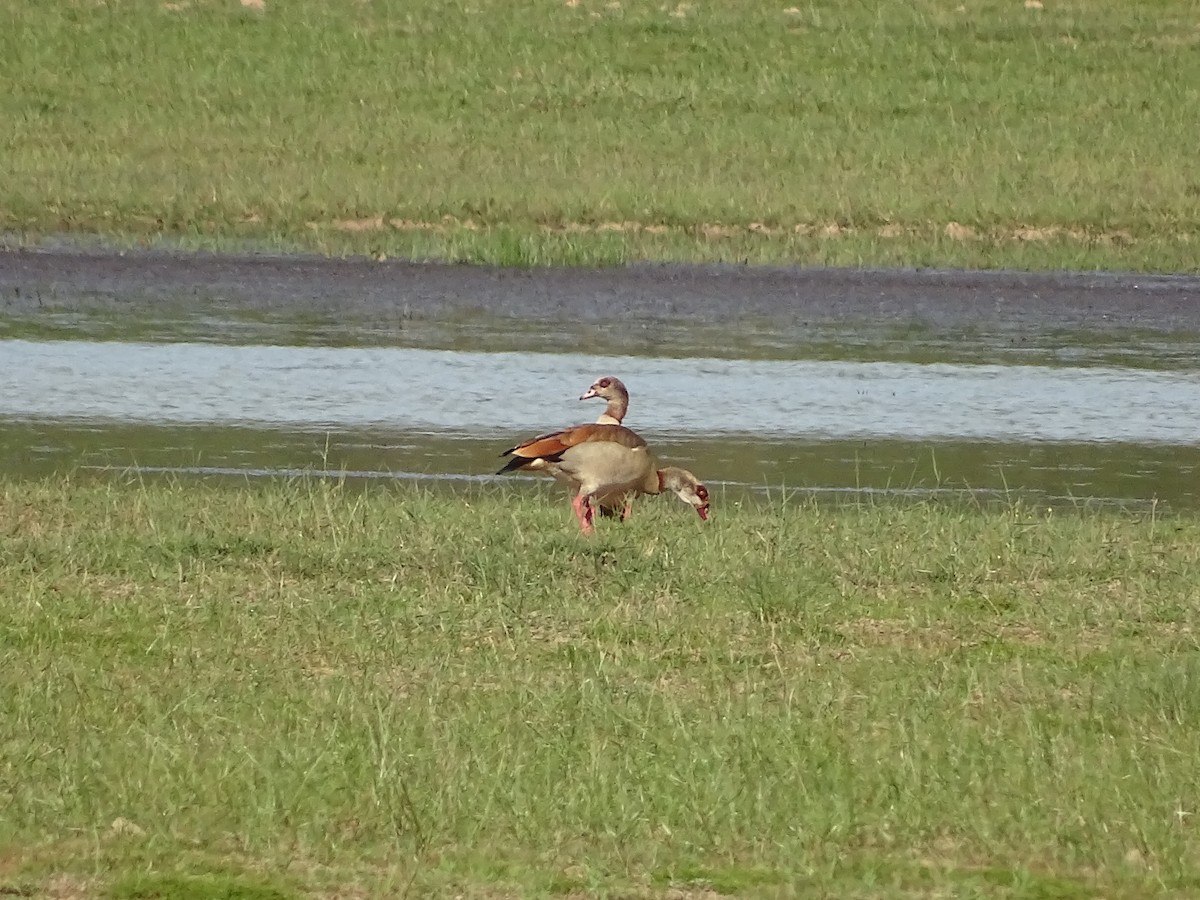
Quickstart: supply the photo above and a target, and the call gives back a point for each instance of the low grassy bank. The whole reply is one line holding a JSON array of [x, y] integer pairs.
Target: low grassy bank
[[996, 133], [282, 689]]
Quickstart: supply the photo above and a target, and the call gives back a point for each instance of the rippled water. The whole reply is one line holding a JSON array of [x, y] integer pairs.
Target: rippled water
[[505, 393], [1062, 433]]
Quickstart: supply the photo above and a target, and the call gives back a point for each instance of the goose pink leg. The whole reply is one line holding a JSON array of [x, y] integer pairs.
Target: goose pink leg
[[584, 513]]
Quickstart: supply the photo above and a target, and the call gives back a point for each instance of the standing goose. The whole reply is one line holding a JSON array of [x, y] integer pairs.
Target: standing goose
[[606, 464], [607, 388], [613, 390]]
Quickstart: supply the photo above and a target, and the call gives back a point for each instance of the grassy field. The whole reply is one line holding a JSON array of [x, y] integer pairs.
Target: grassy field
[[290, 689], [936, 132]]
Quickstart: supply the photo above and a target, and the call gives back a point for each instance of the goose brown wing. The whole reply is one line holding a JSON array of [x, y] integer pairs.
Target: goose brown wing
[[552, 446]]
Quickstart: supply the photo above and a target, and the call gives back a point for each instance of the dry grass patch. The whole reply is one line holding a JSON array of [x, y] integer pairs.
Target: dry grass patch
[[712, 231]]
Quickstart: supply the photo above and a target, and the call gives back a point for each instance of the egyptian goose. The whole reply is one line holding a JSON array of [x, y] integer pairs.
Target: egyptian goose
[[686, 486], [610, 389], [606, 464], [607, 388], [613, 390]]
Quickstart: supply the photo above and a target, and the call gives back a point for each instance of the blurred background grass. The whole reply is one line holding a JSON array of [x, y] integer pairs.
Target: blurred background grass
[[928, 133]]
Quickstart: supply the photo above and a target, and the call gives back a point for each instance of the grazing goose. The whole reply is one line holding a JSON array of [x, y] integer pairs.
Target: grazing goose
[[686, 486], [607, 465], [613, 390]]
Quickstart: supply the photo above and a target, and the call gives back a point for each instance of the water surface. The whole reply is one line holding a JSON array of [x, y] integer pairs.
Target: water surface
[[1059, 433], [507, 393]]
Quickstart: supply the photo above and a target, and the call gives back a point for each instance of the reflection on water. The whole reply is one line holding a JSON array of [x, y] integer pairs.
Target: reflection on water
[[507, 394], [734, 466]]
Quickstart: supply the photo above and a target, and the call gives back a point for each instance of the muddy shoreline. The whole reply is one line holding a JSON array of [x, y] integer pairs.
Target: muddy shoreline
[[34, 282], [645, 315]]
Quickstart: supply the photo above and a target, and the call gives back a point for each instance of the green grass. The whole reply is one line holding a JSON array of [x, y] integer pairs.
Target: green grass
[[927, 133], [291, 688]]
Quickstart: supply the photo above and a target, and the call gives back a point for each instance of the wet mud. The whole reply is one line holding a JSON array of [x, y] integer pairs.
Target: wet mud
[[363, 291]]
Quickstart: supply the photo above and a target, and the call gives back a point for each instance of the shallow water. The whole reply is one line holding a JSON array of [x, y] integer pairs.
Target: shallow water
[[506, 394], [1059, 433]]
